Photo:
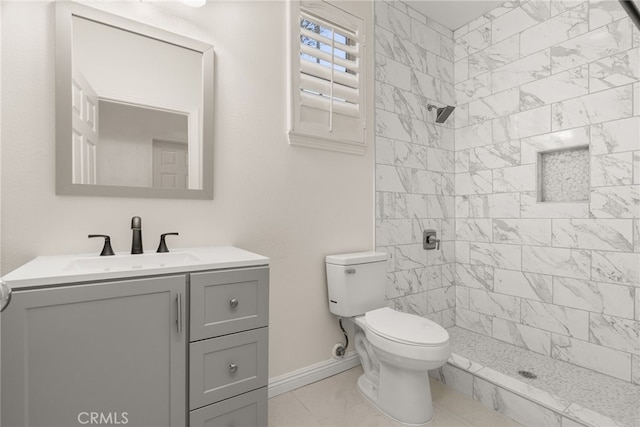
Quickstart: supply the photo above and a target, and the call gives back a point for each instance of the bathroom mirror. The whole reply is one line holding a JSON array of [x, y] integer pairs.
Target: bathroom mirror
[[134, 108]]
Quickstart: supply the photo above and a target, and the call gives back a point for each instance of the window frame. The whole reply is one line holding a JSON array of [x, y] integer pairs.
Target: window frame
[[308, 134]]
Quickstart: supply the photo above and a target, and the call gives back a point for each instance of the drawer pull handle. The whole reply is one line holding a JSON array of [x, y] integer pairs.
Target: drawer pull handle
[[233, 368], [233, 303]]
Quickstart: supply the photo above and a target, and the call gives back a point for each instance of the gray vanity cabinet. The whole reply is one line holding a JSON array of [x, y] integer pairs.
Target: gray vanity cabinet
[[116, 349], [162, 350], [228, 353]]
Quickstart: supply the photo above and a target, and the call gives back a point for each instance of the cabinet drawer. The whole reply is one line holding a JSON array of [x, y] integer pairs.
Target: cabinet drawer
[[246, 410], [225, 366], [225, 302]]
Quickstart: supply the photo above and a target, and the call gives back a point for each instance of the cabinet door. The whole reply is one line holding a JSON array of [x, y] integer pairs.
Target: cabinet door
[[108, 353], [224, 302]]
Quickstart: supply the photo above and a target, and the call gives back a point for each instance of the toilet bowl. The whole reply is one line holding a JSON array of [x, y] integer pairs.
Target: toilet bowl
[[396, 349]]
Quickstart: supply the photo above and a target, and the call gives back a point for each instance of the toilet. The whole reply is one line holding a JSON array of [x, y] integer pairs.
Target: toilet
[[396, 349]]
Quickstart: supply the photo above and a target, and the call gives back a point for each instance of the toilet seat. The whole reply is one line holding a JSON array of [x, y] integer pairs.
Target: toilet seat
[[395, 347], [405, 328]]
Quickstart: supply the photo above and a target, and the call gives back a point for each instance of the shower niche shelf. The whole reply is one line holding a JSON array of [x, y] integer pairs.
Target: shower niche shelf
[[563, 175]]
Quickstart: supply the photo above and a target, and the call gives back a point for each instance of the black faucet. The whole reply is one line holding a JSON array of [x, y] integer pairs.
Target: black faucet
[[136, 243]]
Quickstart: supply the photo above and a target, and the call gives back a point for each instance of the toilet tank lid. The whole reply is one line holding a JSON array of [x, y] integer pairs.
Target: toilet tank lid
[[356, 258]]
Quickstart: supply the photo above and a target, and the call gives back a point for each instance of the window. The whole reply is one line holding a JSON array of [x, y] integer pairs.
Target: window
[[327, 78]]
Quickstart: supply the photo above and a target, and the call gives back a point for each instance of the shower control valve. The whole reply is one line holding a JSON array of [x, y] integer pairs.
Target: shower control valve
[[430, 240]]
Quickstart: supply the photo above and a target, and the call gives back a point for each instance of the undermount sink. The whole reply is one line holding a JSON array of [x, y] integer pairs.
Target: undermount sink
[[131, 262]]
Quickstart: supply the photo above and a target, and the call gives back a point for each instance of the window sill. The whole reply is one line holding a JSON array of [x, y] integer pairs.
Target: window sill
[[324, 143]]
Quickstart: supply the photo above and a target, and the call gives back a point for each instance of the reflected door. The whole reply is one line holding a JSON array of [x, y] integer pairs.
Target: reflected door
[[170, 165], [84, 132]]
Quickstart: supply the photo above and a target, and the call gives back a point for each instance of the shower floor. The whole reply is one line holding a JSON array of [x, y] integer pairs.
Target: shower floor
[[562, 394]]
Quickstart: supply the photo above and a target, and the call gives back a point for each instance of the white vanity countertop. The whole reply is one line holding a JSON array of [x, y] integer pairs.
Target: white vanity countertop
[[68, 269]]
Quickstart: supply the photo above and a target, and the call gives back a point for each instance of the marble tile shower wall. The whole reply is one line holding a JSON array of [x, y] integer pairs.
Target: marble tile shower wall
[[562, 278], [414, 159]]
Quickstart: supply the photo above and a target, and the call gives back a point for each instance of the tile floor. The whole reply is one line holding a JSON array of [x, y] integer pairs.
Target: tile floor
[[336, 401]]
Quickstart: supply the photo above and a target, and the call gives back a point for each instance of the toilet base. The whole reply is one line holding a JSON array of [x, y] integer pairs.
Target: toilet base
[[404, 396]]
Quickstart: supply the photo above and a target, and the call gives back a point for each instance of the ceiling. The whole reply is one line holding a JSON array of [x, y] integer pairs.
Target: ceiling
[[453, 14]]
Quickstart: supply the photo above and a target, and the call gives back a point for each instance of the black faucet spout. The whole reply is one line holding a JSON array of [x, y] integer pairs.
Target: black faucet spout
[[136, 242]]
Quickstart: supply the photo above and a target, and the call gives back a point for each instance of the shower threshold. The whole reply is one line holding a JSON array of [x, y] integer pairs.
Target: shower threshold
[[561, 394]]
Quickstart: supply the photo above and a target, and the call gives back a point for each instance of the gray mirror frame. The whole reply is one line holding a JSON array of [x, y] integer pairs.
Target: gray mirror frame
[[64, 11]]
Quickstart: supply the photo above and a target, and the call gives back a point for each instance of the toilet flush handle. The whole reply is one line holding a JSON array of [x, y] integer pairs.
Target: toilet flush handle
[[350, 271]]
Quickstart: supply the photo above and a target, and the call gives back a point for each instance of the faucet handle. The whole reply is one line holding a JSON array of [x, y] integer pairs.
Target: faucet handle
[[162, 247], [106, 249]]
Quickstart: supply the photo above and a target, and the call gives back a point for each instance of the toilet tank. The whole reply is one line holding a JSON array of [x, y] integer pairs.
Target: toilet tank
[[356, 282]]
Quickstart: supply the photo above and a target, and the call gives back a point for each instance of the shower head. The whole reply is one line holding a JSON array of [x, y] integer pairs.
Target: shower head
[[442, 113]]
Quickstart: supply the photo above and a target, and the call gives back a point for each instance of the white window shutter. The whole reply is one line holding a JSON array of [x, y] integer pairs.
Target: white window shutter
[[327, 78]]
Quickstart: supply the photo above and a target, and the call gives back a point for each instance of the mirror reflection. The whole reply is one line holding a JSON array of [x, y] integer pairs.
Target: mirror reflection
[[136, 104], [141, 147]]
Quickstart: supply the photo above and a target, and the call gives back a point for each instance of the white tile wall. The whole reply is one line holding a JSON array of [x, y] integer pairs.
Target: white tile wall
[[593, 108], [513, 406], [415, 158], [583, 353], [525, 285], [595, 297], [573, 268], [555, 318], [557, 87], [603, 234], [560, 278], [552, 31], [615, 136], [599, 43]]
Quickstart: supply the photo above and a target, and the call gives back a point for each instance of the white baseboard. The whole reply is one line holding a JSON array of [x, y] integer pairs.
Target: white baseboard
[[312, 373]]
